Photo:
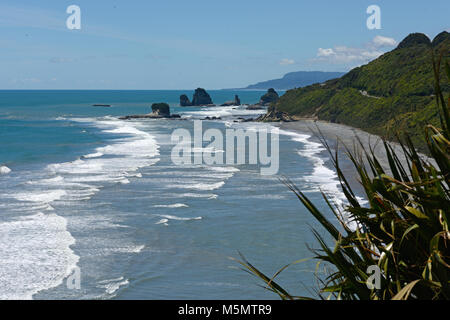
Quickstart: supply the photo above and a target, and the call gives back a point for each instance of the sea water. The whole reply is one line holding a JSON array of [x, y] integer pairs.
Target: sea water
[[82, 190]]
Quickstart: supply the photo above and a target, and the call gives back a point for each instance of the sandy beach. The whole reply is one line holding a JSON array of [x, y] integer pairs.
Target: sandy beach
[[345, 136]]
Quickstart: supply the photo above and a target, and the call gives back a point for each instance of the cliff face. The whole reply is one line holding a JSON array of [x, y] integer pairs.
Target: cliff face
[[394, 91]]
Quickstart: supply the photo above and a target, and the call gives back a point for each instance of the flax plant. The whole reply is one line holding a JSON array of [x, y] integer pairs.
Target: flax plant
[[403, 229]]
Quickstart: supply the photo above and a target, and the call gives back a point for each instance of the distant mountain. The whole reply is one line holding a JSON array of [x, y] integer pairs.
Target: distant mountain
[[296, 80], [394, 92]]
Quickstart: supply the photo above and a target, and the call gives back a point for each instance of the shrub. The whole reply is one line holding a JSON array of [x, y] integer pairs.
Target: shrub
[[404, 229]]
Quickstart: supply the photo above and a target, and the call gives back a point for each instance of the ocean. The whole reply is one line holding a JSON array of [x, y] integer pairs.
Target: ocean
[[86, 196]]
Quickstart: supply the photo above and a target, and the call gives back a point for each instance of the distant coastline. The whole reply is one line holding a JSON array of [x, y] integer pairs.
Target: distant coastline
[[294, 80]]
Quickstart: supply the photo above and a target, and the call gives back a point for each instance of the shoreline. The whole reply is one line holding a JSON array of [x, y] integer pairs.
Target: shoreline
[[346, 136]]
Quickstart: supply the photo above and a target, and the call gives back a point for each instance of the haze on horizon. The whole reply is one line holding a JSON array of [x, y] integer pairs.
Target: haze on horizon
[[184, 45]]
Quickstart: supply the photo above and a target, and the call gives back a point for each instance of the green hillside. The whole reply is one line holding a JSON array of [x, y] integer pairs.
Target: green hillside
[[393, 92]]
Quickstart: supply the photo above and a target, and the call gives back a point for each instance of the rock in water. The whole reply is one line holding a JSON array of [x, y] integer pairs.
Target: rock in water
[[269, 97], [161, 109], [184, 101], [235, 102], [201, 98]]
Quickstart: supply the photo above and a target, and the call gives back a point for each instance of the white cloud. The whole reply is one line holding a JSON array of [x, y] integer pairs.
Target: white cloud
[[325, 52], [350, 55], [286, 61], [380, 41]]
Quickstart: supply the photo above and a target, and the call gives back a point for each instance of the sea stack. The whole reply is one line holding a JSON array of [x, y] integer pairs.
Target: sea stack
[[235, 102], [161, 109], [201, 98], [270, 97], [184, 101]]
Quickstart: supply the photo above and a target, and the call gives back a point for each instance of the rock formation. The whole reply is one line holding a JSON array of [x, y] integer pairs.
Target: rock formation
[[235, 102], [266, 100], [255, 107], [201, 98], [159, 110], [269, 97], [273, 115], [184, 101]]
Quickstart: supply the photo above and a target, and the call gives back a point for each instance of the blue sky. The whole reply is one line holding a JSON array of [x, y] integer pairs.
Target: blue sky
[[176, 44]]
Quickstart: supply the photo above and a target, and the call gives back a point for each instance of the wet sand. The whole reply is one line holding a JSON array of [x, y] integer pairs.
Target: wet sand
[[347, 136]]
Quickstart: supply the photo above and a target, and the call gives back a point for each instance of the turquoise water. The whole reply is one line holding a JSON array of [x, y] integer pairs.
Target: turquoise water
[[82, 190]]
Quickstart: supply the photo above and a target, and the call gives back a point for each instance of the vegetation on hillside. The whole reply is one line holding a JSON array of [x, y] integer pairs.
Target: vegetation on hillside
[[403, 230], [394, 91]]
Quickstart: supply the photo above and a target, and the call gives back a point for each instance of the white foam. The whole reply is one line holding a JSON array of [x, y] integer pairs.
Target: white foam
[[206, 150], [124, 181], [130, 249], [224, 169], [170, 217], [111, 286], [222, 111], [175, 205], [4, 170], [35, 255], [44, 197], [135, 175], [198, 195], [47, 181], [35, 251], [93, 155], [325, 178], [163, 221], [200, 186]]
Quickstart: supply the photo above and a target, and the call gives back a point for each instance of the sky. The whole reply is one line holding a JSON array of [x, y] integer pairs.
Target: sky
[[179, 44]]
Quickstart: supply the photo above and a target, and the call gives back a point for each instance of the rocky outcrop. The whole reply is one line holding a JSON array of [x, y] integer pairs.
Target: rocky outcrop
[[235, 102], [266, 100], [273, 115], [270, 97], [184, 101], [255, 107], [212, 118], [159, 110], [201, 98]]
